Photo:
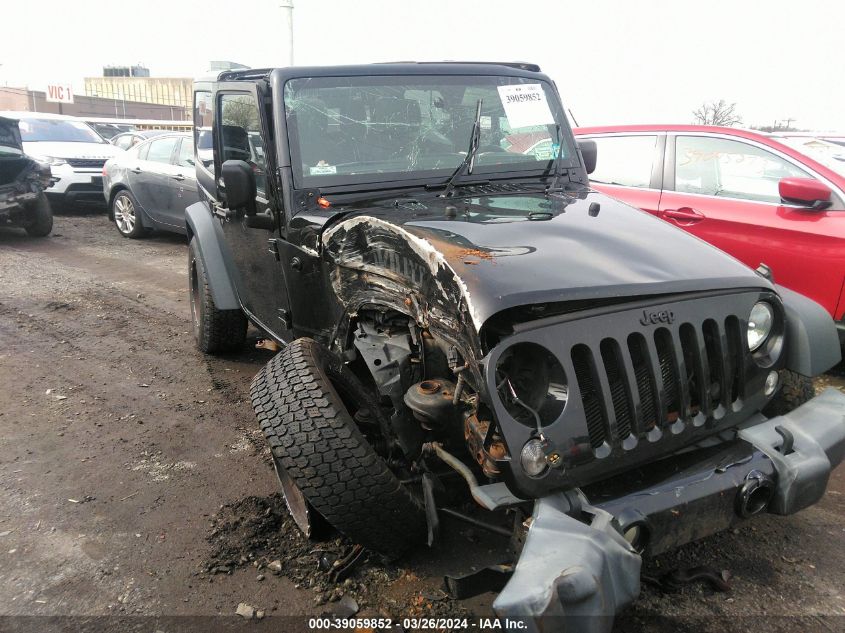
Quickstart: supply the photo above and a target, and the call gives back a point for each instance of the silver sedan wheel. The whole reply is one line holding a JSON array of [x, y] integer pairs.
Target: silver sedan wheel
[[124, 214]]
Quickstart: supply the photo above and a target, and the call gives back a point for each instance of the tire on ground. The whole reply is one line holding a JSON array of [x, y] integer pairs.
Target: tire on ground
[[297, 399], [125, 196], [794, 391], [41, 218], [215, 331]]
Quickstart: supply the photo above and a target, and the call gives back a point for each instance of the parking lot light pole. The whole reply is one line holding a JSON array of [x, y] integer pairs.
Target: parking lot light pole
[[287, 27]]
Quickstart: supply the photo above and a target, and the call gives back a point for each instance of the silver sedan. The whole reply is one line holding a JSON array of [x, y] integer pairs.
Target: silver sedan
[[150, 185]]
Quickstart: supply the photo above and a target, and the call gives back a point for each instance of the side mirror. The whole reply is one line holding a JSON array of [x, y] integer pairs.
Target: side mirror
[[806, 192], [239, 183], [590, 153]]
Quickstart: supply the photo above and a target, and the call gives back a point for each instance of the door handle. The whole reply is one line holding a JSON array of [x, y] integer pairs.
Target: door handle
[[135, 170], [178, 177], [684, 214]]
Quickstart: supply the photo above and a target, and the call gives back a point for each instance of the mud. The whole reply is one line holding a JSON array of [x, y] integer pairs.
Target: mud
[[257, 532]]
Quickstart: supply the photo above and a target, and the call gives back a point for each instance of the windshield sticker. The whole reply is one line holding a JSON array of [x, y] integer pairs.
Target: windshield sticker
[[546, 150], [322, 169], [525, 105]]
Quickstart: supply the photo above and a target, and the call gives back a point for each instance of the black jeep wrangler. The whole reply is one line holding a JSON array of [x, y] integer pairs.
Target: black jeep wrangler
[[455, 305], [22, 183]]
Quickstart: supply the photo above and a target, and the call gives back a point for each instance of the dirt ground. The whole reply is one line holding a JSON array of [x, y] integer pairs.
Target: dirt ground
[[135, 482]]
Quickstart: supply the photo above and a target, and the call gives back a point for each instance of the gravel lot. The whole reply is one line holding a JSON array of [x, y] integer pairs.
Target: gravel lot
[[135, 483]]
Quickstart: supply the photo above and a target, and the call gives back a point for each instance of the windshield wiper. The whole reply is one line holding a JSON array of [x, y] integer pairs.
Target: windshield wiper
[[469, 161], [558, 161]]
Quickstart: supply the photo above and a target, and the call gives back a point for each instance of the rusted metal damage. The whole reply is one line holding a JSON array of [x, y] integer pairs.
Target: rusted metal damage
[[485, 444]]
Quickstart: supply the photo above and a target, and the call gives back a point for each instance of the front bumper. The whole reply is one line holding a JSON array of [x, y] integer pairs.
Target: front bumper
[[76, 184], [574, 576], [15, 201]]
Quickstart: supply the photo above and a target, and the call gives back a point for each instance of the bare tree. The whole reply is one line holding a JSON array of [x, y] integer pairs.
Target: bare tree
[[240, 111], [717, 113]]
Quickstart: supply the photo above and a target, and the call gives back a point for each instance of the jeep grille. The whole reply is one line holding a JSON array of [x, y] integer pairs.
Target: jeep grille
[[633, 385], [639, 388]]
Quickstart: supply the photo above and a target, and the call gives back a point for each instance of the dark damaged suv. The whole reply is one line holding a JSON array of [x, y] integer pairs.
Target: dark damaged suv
[[455, 305], [22, 183]]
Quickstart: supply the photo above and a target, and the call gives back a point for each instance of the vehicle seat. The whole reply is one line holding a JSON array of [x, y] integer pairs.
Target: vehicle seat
[[352, 124], [394, 127], [235, 143], [311, 123]]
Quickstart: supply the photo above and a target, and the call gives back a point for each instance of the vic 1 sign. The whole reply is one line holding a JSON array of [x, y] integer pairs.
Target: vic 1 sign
[[60, 93]]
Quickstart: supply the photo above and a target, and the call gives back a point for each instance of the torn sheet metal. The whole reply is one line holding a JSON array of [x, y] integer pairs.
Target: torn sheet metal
[[384, 248]]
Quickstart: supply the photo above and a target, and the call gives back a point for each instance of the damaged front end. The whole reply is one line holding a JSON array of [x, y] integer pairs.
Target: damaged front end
[[610, 423], [22, 179]]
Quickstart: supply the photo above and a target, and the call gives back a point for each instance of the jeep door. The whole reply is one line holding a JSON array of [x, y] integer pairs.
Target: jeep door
[[260, 281], [725, 191], [630, 168]]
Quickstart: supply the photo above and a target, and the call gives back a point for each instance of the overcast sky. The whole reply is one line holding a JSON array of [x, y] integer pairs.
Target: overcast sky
[[615, 61]]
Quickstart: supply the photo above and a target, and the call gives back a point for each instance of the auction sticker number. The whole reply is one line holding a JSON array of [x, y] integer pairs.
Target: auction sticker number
[[525, 105], [350, 624]]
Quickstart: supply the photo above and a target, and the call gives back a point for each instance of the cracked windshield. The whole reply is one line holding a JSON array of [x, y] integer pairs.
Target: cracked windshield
[[370, 127]]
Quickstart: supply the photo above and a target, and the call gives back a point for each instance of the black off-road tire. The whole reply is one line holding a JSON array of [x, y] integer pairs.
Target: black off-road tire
[[215, 331], [302, 399], [40, 221], [794, 391]]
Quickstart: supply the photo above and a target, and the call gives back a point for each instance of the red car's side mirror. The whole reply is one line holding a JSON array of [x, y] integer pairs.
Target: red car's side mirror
[[806, 192]]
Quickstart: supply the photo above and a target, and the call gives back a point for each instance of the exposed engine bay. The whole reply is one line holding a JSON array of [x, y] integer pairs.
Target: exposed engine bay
[[428, 386]]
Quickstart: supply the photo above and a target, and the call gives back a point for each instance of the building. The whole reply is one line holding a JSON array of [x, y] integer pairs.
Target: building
[[126, 71], [23, 99], [133, 83]]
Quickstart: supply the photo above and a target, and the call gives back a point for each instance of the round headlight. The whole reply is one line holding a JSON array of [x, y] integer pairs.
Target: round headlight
[[760, 323], [533, 459]]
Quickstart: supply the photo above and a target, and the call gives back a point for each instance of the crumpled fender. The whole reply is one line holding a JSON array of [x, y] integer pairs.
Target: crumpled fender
[[373, 261]]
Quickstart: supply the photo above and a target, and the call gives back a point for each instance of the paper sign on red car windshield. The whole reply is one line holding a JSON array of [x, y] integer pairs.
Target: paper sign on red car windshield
[[525, 105]]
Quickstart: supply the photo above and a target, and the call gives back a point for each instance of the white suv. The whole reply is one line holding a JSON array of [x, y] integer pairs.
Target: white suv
[[75, 152]]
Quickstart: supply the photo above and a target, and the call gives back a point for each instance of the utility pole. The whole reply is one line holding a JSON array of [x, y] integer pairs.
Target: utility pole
[[287, 28]]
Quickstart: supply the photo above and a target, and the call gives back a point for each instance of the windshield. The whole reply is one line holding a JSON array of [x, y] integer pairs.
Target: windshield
[[58, 130], [353, 130], [828, 154]]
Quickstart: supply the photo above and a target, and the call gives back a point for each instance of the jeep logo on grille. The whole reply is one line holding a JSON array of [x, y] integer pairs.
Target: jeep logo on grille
[[658, 316]]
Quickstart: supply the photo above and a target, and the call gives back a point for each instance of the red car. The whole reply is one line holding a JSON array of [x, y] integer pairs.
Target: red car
[[762, 198]]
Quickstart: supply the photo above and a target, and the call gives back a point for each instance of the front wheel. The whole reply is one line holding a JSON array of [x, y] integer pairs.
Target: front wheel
[[307, 402], [215, 330], [41, 218]]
